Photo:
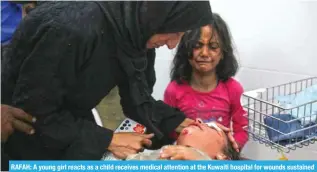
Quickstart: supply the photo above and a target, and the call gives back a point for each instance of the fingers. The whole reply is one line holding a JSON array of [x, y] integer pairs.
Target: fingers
[[145, 139], [221, 157], [146, 142], [6, 131], [148, 136], [172, 152], [138, 141], [136, 146], [236, 146], [177, 157], [233, 142], [21, 115], [22, 126], [231, 138], [167, 152], [223, 127], [119, 155], [171, 148], [184, 124], [177, 152], [128, 152], [123, 153]]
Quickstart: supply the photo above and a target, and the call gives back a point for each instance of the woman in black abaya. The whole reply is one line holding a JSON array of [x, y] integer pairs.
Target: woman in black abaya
[[66, 56]]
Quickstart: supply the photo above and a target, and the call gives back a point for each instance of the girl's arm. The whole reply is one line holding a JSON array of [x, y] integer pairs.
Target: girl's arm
[[239, 121]]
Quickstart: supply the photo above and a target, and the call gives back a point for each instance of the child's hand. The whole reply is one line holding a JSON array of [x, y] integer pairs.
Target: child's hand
[[230, 136], [226, 130]]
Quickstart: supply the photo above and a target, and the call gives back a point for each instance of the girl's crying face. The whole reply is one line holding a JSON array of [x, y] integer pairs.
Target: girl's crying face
[[207, 51]]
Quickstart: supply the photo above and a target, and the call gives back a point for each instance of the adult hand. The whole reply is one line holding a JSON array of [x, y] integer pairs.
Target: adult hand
[[178, 152], [125, 144], [15, 119], [184, 124]]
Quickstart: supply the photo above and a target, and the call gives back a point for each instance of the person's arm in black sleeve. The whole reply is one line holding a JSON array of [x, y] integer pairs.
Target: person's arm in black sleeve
[[40, 91], [167, 119], [170, 118]]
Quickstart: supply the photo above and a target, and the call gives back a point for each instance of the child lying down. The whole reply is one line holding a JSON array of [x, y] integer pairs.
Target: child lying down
[[195, 142]]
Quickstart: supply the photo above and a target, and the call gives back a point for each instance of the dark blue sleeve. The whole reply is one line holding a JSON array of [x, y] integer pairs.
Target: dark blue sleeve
[[11, 15]]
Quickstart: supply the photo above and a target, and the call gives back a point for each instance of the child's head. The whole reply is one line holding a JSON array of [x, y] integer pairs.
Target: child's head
[[195, 136], [205, 51]]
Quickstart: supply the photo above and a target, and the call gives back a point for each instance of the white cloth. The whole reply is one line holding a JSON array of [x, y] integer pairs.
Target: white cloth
[[155, 154]]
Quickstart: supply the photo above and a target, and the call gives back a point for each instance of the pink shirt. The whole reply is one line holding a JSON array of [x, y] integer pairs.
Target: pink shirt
[[221, 105]]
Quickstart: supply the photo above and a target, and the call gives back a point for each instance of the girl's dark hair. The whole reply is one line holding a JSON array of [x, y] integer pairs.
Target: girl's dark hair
[[230, 152], [227, 67]]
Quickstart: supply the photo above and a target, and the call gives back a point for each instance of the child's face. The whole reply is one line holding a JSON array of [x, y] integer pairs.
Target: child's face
[[204, 138], [207, 52]]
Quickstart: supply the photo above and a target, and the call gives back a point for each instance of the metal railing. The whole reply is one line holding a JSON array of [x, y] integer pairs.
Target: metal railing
[[283, 117]]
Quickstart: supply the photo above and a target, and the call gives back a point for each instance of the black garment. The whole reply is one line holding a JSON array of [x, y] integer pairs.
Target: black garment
[[66, 56], [4, 159], [133, 25]]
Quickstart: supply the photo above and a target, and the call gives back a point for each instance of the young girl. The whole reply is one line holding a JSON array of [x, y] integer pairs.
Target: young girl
[[202, 85]]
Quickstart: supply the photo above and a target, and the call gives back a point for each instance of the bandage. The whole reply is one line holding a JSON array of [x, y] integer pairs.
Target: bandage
[[213, 125]]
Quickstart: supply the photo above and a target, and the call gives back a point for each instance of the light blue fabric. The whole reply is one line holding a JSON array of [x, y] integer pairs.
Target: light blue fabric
[[11, 15], [306, 114]]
